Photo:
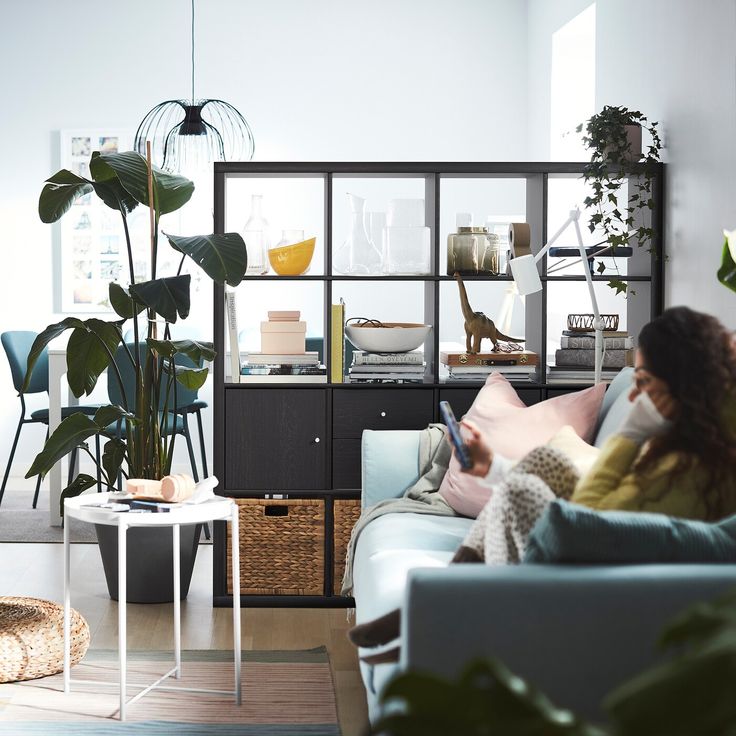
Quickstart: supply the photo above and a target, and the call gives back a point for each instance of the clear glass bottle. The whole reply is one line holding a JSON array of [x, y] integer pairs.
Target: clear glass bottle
[[466, 247], [491, 261], [357, 256], [257, 241]]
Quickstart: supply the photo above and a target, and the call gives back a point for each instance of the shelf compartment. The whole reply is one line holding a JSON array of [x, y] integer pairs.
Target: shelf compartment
[[289, 202], [281, 546]]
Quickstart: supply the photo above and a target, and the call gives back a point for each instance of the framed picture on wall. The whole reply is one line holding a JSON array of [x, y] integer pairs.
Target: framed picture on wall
[[90, 238]]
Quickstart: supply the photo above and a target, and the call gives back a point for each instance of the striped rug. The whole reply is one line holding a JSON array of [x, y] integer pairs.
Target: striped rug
[[285, 693]]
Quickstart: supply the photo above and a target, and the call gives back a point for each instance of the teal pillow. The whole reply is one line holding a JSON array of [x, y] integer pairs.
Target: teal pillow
[[568, 532]]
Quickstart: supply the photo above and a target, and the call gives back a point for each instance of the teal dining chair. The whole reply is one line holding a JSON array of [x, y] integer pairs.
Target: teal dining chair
[[17, 345]]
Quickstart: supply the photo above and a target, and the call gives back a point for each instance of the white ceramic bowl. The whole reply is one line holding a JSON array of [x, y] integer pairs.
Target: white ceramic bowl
[[392, 337]]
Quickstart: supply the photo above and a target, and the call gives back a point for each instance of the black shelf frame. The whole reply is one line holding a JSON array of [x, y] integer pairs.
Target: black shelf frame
[[538, 176]]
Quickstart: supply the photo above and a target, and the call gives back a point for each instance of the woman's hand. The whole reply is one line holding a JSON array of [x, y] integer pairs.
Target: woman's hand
[[480, 453], [657, 390]]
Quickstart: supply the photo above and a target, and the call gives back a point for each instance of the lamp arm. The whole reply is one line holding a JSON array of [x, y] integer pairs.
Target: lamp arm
[[597, 321], [538, 257]]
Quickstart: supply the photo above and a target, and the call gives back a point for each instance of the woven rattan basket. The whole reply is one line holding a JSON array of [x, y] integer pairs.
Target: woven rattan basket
[[345, 514], [32, 638], [281, 547]]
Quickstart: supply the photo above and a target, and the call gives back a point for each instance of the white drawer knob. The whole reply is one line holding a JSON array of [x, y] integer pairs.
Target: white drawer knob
[[316, 439], [383, 413]]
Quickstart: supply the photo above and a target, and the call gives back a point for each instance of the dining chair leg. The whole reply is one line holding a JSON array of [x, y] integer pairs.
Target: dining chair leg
[[12, 455], [190, 448], [38, 480], [201, 443]]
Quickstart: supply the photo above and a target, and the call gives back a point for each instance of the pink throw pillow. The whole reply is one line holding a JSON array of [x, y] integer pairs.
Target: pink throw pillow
[[513, 429]]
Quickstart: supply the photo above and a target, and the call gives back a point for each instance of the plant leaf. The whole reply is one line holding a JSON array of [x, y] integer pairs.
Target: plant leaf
[[106, 415], [59, 194], [168, 297], [727, 271], [618, 286], [113, 455], [197, 351], [123, 303], [170, 190], [78, 486], [222, 257], [44, 338], [71, 433], [88, 354], [191, 378]]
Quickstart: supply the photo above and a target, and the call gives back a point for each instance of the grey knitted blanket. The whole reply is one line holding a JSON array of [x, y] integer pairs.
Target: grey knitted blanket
[[421, 498]]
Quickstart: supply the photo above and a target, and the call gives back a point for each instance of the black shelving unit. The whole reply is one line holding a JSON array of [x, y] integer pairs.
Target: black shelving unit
[[325, 457]]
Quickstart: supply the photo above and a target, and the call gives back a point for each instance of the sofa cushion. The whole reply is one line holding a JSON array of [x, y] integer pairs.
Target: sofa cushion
[[571, 533], [513, 429], [615, 406]]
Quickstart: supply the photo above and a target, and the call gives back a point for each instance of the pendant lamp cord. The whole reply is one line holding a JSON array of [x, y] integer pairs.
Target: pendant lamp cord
[[193, 100]]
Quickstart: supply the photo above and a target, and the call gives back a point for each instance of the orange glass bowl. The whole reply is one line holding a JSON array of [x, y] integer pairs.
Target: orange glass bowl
[[292, 260]]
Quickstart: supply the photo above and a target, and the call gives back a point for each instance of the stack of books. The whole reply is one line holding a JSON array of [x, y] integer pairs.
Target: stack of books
[[283, 368], [518, 365], [387, 367], [575, 360]]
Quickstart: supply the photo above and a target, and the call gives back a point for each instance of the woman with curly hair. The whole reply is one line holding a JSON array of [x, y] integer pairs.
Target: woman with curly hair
[[674, 454]]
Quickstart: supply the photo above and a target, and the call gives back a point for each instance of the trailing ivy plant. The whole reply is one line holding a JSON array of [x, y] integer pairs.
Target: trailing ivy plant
[[608, 170], [123, 181]]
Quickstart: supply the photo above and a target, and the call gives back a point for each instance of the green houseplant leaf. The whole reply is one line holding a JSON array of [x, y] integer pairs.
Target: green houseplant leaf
[[113, 455], [222, 257], [197, 351], [727, 271], [122, 302], [168, 297], [71, 433], [78, 486], [89, 352], [108, 187], [59, 194], [170, 191], [44, 338]]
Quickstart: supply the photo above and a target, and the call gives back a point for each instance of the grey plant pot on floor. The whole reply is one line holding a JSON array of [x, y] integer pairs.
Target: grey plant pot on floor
[[150, 562]]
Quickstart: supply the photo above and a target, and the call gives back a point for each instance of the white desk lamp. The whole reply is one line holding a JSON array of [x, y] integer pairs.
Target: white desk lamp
[[526, 276]]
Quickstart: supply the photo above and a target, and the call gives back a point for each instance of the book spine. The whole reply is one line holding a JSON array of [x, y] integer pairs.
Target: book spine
[[337, 343], [232, 326], [586, 358], [360, 358], [588, 343]]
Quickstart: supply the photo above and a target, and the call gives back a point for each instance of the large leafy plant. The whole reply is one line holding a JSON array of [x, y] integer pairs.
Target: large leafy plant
[[124, 181], [609, 169]]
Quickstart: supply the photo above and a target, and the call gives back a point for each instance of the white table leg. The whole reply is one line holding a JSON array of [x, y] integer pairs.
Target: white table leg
[[122, 620], [235, 554], [67, 612], [177, 599], [57, 368]]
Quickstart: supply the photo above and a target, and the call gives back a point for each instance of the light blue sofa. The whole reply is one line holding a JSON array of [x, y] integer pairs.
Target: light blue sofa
[[574, 631]]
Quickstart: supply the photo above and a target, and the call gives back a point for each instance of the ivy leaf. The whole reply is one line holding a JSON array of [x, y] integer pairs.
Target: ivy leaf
[[601, 267], [618, 286]]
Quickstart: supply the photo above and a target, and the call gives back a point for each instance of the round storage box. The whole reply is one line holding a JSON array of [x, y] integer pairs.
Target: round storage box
[[32, 638]]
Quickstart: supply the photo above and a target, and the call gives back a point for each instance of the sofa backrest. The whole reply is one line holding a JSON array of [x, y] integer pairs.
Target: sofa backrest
[[615, 406]]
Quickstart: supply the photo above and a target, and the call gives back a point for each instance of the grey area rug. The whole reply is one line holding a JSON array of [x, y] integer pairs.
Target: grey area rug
[[19, 522]]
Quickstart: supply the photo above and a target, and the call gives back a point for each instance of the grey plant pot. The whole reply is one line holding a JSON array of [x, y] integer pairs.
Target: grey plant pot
[[150, 561]]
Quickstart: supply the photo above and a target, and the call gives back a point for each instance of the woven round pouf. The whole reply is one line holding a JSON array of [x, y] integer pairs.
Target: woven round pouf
[[32, 638]]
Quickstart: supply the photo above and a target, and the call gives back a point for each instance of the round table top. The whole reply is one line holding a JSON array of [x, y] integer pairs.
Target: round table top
[[86, 508]]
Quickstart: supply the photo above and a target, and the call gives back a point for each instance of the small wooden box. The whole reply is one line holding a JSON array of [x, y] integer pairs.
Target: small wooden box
[[345, 514], [281, 547]]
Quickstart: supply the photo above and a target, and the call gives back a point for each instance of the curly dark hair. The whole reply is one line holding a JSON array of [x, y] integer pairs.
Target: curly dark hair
[[695, 355]]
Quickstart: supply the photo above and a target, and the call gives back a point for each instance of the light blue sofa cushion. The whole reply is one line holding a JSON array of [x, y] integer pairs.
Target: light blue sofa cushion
[[571, 533], [389, 463], [615, 406], [387, 549]]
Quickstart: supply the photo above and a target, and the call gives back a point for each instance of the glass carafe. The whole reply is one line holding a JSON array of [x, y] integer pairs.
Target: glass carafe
[[256, 238], [357, 256]]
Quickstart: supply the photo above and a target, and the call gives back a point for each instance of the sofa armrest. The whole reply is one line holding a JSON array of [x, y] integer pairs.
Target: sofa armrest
[[575, 632], [390, 463]]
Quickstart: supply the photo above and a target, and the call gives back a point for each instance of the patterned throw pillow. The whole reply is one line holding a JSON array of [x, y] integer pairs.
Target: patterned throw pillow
[[571, 533]]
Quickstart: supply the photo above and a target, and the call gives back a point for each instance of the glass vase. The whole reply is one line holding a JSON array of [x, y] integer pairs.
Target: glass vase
[[357, 256], [256, 238]]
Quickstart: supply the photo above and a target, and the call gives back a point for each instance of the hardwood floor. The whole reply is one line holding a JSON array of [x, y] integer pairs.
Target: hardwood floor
[[37, 570]]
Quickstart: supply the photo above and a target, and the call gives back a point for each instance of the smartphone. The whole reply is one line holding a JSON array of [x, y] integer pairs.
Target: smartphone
[[461, 449]]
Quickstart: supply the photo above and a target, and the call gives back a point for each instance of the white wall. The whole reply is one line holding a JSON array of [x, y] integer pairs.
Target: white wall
[[674, 60], [317, 80]]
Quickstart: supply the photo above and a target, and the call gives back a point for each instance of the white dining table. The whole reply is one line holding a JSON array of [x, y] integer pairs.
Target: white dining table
[[57, 371]]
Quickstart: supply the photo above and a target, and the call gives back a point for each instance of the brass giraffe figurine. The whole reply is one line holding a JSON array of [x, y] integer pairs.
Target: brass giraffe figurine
[[477, 325]]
